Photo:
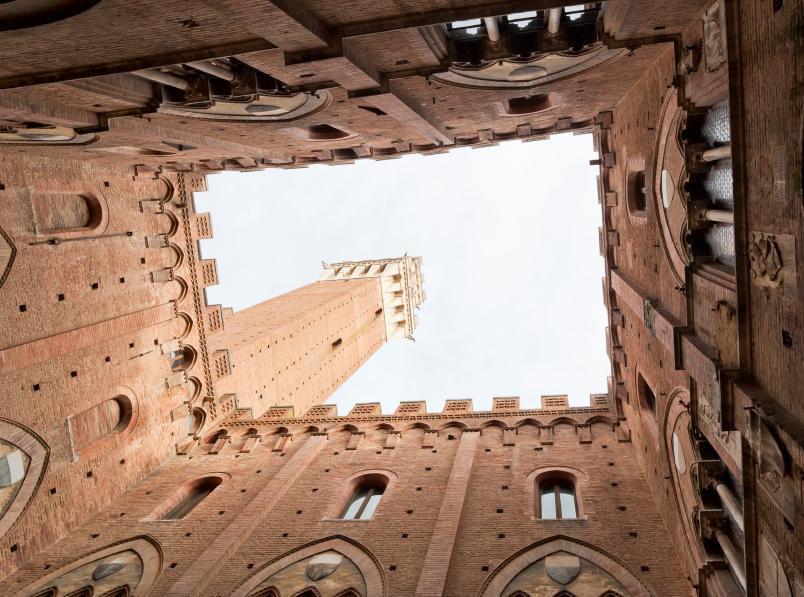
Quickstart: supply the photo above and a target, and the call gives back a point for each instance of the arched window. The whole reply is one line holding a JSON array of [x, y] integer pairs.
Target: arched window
[[66, 212], [557, 498], [269, 592], [192, 495], [82, 592], [310, 592], [365, 499], [647, 398], [637, 193], [325, 132], [183, 359], [529, 104], [647, 406], [102, 420]]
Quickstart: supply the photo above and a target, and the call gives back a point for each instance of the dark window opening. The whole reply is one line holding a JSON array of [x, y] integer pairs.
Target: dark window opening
[[198, 492], [527, 104]]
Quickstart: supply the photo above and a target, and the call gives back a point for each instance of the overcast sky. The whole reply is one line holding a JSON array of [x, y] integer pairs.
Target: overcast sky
[[509, 237]]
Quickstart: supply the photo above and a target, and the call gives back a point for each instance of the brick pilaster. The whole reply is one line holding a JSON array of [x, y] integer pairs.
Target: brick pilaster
[[439, 552], [225, 545]]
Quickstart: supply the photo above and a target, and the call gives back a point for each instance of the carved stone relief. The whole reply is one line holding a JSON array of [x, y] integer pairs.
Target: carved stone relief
[[714, 36], [562, 570], [132, 565], [328, 572], [773, 262]]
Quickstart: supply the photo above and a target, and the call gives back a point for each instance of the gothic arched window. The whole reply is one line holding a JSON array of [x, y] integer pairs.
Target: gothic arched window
[[195, 493], [364, 500], [557, 498], [58, 213], [102, 420]]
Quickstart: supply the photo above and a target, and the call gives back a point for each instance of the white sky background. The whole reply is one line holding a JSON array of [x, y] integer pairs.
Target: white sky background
[[509, 237]]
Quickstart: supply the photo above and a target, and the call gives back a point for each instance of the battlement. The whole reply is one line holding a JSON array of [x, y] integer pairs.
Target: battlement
[[550, 406], [401, 281]]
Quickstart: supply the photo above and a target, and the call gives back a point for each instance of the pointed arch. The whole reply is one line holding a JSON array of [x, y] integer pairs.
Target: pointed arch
[[189, 495], [600, 419], [417, 425], [528, 421], [123, 568], [347, 427], [565, 420], [356, 554], [496, 583], [458, 424], [30, 455]]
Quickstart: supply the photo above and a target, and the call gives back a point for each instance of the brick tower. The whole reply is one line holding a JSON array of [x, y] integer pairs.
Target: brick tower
[[296, 349]]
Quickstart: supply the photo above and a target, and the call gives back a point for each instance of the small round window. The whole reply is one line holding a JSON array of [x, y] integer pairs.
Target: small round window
[[678, 454]]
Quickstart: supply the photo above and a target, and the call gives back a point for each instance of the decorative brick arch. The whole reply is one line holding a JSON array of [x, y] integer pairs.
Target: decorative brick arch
[[146, 548], [362, 558], [38, 452], [505, 572]]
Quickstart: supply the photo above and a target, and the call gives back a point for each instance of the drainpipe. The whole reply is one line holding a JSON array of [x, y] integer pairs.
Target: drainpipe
[[733, 557], [554, 20], [157, 76], [210, 68], [492, 28]]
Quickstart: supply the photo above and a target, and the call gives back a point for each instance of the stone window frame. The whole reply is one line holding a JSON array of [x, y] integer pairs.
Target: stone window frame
[[532, 493]]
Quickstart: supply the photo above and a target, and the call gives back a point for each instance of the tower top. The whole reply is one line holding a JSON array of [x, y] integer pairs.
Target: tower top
[[401, 281]]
